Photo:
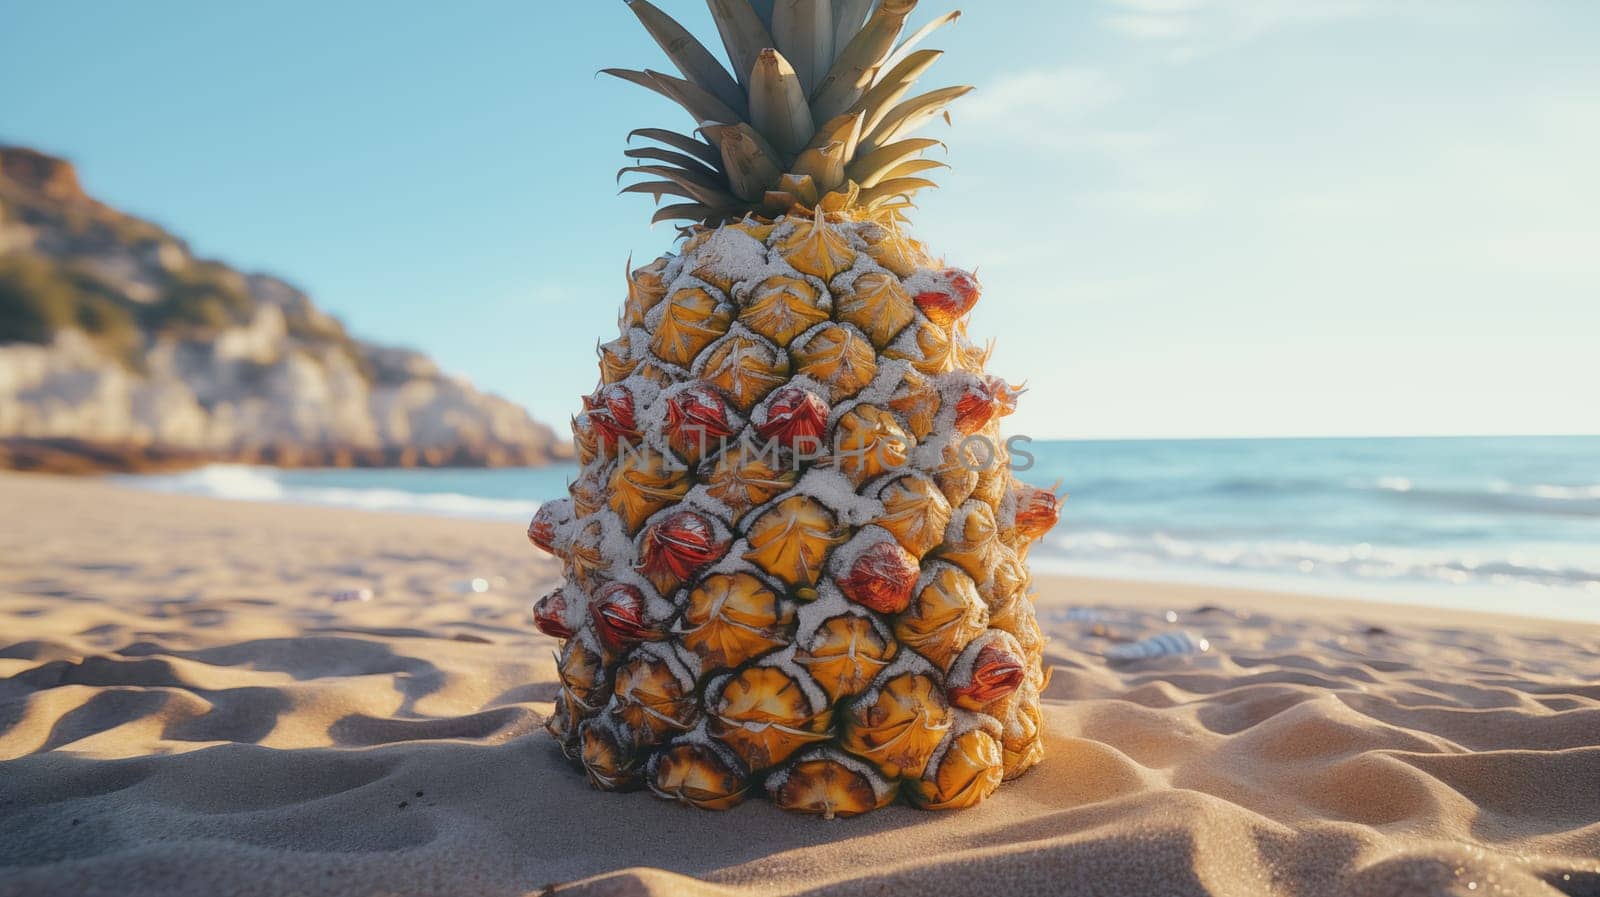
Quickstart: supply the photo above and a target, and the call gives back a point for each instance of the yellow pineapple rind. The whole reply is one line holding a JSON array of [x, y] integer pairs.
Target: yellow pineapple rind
[[756, 674]]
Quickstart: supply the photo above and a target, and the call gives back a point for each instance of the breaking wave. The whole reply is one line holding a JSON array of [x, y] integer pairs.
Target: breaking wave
[[246, 483], [1492, 496], [1354, 563], [1497, 496]]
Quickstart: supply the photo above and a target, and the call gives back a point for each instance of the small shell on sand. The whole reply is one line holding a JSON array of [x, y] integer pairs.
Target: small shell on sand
[[1167, 643], [1076, 615]]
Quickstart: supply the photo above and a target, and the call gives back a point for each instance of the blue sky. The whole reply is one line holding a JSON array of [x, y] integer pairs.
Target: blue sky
[[1192, 217]]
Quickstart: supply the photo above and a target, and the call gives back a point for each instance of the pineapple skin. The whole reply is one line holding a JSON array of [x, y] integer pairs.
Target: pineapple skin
[[780, 576]]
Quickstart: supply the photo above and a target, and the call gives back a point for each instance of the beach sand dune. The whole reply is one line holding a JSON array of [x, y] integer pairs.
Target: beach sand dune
[[188, 708]]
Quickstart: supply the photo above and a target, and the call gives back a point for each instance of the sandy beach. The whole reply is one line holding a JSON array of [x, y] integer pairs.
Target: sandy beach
[[187, 707]]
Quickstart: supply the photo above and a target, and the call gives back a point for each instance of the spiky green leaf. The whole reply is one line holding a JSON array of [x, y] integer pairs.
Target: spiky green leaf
[[701, 150], [744, 35], [893, 188], [903, 170], [848, 17], [687, 163], [778, 107], [689, 211], [875, 164], [912, 114], [803, 30], [690, 56], [852, 71], [921, 34], [752, 166], [892, 87]]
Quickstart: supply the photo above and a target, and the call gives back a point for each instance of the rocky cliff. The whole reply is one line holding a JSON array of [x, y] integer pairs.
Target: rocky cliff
[[120, 349]]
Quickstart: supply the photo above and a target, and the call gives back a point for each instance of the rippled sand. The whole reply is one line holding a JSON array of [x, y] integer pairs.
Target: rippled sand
[[186, 710]]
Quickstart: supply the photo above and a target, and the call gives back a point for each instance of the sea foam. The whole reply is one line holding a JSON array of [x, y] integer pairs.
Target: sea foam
[[246, 483]]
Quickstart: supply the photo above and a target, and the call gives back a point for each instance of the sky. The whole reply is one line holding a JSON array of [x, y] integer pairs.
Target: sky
[[1192, 218]]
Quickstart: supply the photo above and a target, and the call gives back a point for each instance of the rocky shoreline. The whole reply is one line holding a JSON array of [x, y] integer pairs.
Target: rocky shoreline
[[80, 457], [121, 350]]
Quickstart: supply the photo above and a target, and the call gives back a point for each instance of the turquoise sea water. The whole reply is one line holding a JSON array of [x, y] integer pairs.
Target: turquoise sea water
[[1495, 523]]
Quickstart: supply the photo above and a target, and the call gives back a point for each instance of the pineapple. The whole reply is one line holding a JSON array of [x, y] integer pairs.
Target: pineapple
[[795, 557]]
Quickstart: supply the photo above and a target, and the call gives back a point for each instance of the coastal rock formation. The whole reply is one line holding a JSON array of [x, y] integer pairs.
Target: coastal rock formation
[[120, 349]]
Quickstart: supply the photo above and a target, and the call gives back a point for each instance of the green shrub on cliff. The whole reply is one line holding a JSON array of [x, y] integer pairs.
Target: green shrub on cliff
[[35, 301], [201, 298], [39, 297]]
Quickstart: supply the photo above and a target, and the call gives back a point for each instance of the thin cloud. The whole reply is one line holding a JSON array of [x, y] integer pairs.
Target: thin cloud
[[1190, 29], [1161, 6], [1177, 199], [1052, 110], [1151, 26], [1068, 91]]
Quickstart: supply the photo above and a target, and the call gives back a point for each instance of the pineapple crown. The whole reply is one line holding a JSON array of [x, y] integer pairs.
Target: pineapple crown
[[813, 116]]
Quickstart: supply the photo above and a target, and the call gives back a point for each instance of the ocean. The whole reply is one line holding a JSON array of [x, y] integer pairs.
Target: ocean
[[1509, 524]]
